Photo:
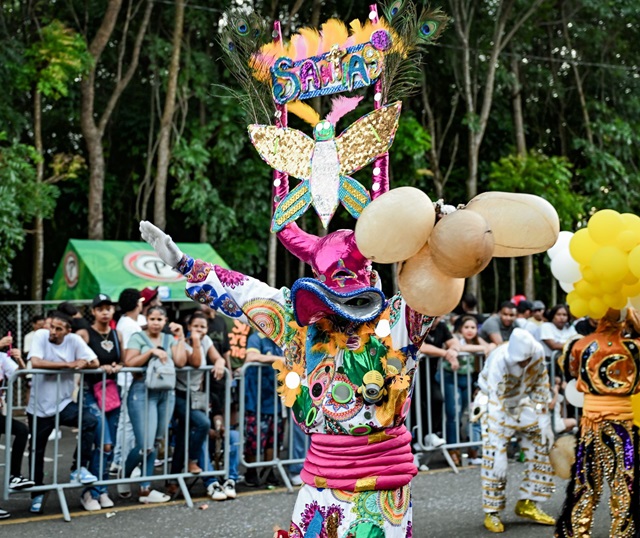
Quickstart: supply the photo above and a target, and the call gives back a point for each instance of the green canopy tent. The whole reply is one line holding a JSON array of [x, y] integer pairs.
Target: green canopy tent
[[90, 267]]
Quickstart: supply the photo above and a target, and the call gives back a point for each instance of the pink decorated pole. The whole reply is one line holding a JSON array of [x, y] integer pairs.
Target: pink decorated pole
[[380, 179], [280, 179]]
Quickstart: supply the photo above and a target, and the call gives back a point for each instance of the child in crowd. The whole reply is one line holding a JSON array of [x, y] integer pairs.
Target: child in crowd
[[472, 347]]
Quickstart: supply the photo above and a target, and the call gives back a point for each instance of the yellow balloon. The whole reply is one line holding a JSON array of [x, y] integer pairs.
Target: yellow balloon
[[597, 307], [634, 261], [579, 307], [630, 279], [627, 239], [582, 246], [588, 274], [611, 286], [614, 300], [609, 263], [635, 403], [631, 290], [586, 289], [604, 226], [631, 221]]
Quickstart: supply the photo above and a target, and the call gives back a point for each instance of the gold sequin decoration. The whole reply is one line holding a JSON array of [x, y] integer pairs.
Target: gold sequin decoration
[[367, 138], [287, 214], [321, 483], [358, 199], [286, 150], [366, 484]]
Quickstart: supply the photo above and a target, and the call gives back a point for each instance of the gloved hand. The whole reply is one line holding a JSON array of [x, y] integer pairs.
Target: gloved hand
[[162, 243], [500, 464], [546, 431]]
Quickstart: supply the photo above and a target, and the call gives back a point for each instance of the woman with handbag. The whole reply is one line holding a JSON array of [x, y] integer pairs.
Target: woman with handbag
[[101, 398], [191, 399], [151, 397]]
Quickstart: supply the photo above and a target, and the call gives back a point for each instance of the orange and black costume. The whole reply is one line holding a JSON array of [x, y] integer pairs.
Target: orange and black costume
[[606, 365]]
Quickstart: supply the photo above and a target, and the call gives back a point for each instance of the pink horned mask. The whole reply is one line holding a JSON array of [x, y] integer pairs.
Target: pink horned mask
[[343, 277]]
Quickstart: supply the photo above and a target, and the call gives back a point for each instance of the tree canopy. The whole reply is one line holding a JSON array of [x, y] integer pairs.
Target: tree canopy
[[107, 85]]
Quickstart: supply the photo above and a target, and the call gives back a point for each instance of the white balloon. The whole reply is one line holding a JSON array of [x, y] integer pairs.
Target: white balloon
[[566, 286], [561, 244], [573, 395], [565, 268]]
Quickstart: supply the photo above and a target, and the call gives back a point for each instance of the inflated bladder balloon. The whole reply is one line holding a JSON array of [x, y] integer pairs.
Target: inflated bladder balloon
[[522, 224], [396, 225], [427, 289], [461, 244], [610, 263]]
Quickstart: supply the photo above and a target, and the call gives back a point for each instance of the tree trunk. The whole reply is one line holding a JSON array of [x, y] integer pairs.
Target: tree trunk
[[164, 149], [38, 228], [521, 145], [92, 130]]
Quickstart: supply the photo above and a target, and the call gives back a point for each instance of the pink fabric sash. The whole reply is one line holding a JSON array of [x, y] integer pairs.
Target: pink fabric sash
[[379, 461]]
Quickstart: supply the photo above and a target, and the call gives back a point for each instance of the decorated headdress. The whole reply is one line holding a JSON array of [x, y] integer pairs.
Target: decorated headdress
[[382, 53]]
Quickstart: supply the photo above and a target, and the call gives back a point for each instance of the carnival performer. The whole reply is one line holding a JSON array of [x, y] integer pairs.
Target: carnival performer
[[515, 381], [348, 368], [606, 366]]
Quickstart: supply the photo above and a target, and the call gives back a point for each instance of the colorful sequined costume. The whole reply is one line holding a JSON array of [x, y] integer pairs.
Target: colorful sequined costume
[[518, 406], [606, 366], [348, 382]]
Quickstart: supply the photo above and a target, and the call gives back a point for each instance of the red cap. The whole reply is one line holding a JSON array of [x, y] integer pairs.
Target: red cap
[[517, 298], [148, 294]]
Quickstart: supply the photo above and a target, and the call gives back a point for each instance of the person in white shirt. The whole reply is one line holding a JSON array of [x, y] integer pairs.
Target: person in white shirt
[[58, 349], [130, 303], [9, 363], [556, 332]]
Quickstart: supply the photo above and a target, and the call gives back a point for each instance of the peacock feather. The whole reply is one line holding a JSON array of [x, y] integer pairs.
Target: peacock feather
[[412, 32], [243, 34]]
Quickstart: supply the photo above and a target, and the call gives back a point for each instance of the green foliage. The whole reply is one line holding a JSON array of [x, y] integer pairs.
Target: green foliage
[[408, 155], [56, 60], [21, 198], [548, 177]]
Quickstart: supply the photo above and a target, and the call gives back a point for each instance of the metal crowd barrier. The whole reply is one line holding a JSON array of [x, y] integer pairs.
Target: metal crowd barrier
[[280, 413], [286, 450], [59, 484]]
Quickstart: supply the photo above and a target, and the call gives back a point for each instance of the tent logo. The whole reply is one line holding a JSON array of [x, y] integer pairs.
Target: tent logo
[[71, 269], [146, 264]]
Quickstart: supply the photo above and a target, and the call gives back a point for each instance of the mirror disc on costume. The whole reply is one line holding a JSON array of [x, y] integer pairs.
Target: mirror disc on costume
[[360, 429], [311, 417], [342, 393], [320, 379]]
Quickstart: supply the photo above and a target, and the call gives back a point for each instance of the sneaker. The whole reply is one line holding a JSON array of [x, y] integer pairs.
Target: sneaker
[[89, 503], [475, 461], [4, 514], [105, 501], [251, 478], [36, 504], [295, 480], [529, 509], [114, 470], [424, 467], [215, 492], [20, 482], [229, 488], [55, 434], [158, 463], [83, 476], [433, 440], [492, 522]]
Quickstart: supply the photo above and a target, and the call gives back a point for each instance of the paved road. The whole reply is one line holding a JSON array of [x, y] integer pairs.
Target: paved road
[[445, 505]]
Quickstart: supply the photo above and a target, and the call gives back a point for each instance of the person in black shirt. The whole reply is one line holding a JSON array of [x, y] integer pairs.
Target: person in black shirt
[[438, 343], [106, 343]]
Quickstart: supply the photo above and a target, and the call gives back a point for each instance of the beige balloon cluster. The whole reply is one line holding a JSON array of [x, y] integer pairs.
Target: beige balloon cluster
[[436, 257]]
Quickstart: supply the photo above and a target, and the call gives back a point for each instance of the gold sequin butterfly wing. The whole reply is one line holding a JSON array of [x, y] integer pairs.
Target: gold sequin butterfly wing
[[287, 150], [368, 138]]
